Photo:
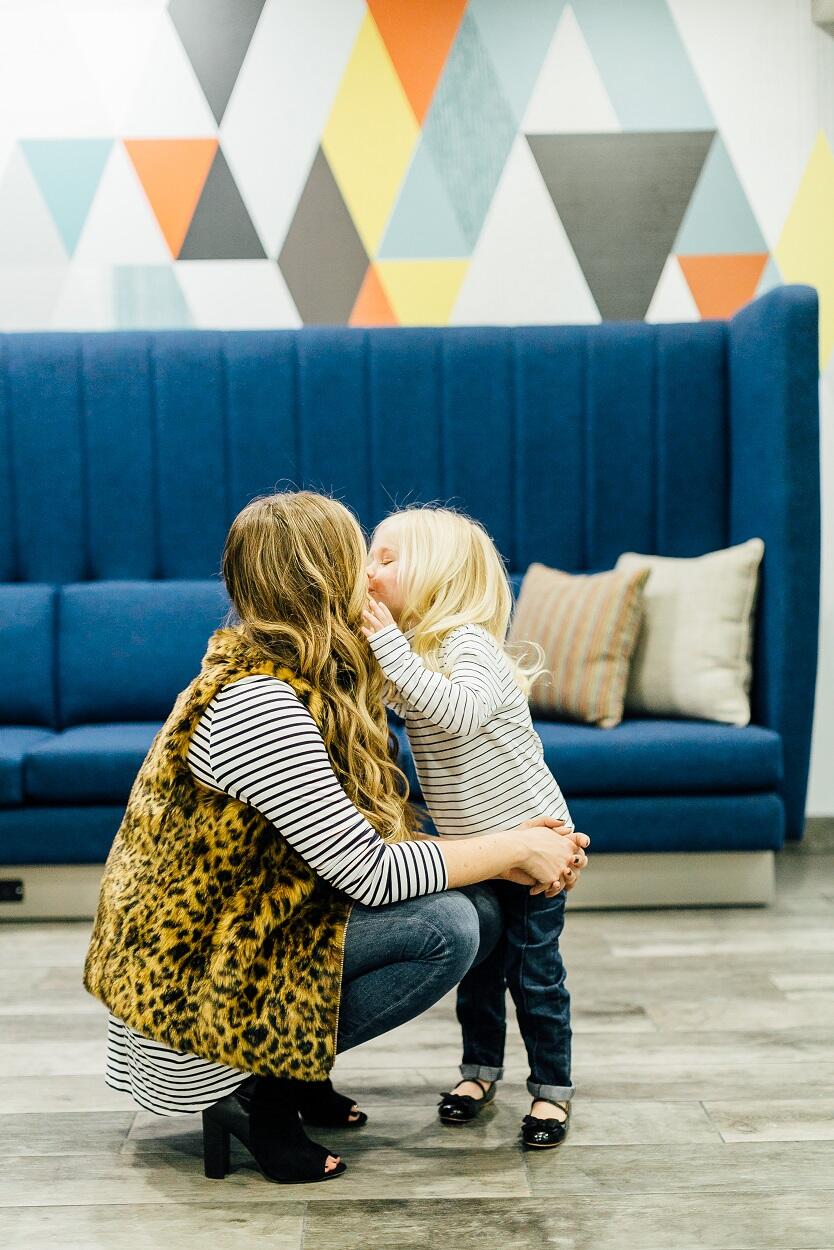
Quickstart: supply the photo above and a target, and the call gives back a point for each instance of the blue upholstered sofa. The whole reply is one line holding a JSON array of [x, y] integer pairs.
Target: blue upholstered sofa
[[124, 456]]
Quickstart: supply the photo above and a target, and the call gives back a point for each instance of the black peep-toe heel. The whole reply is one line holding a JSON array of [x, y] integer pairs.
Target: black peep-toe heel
[[321, 1106], [259, 1115]]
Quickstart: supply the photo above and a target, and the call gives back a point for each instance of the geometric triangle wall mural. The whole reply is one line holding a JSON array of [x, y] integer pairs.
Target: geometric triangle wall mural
[[173, 173], [385, 162], [216, 35], [221, 228], [68, 172], [621, 198]]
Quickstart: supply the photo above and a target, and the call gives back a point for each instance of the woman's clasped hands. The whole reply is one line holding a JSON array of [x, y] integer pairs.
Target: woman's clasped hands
[[549, 863]]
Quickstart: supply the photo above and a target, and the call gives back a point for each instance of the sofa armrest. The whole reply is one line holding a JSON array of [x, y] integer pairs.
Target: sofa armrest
[[773, 389]]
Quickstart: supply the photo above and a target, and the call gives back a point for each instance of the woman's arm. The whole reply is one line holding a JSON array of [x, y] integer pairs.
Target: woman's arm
[[265, 749], [259, 743]]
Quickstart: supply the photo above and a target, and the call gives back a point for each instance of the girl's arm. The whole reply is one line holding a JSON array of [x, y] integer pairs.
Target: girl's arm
[[459, 704]]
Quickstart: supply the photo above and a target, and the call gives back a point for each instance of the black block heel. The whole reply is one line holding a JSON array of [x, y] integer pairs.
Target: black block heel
[[217, 1148], [260, 1117]]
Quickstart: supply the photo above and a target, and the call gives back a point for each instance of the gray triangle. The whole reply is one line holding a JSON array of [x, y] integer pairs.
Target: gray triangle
[[221, 228], [621, 199], [216, 35], [323, 261]]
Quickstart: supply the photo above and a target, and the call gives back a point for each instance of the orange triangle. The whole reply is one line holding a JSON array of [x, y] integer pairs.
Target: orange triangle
[[372, 307], [173, 173], [418, 38], [720, 285]]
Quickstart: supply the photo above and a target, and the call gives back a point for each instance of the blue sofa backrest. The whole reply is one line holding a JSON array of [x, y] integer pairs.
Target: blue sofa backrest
[[124, 457]]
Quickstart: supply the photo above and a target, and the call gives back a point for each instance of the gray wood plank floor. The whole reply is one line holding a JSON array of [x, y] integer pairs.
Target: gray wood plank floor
[[704, 1060]]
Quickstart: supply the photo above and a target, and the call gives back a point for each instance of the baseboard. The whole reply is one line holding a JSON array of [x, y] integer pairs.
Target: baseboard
[[743, 878], [51, 891], [676, 879]]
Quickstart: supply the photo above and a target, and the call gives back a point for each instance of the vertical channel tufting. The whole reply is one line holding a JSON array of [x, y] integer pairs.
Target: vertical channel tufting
[[512, 555], [586, 510], [654, 471], [370, 458], [661, 537], [84, 463], [153, 431], [297, 414], [442, 421], [226, 457], [9, 524]]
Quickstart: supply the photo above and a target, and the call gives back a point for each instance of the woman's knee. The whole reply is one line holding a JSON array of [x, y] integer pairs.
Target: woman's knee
[[454, 918]]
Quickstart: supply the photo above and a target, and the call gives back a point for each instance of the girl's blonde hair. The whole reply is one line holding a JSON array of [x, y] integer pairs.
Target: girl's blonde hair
[[294, 565], [451, 574]]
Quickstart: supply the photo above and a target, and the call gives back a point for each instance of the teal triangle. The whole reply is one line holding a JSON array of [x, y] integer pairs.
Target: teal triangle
[[644, 65], [148, 297], [517, 37], [771, 277], [67, 172], [719, 217], [423, 224]]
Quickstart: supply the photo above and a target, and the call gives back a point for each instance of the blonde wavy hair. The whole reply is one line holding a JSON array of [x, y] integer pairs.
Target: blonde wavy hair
[[450, 574], [294, 566]]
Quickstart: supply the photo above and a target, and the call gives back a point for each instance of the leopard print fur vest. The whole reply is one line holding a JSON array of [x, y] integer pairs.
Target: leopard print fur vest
[[213, 935]]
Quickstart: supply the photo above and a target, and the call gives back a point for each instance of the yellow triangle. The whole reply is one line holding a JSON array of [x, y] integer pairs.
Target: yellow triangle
[[422, 292], [370, 135], [805, 252]]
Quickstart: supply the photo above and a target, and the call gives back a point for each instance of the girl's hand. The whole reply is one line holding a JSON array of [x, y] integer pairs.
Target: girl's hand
[[375, 617]]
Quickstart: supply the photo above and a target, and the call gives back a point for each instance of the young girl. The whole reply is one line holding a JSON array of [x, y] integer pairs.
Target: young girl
[[438, 610]]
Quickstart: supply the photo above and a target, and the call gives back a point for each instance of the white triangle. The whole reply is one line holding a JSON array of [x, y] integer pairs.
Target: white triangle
[[281, 102], [237, 294], [524, 269], [86, 299], [168, 102], [770, 112], [672, 299], [28, 294], [569, 96], [44, 93], [28, 235], [121, 228], [114, 44]]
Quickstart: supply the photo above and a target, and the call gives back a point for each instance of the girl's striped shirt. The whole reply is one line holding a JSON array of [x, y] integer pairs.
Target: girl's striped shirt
[[478, 757]]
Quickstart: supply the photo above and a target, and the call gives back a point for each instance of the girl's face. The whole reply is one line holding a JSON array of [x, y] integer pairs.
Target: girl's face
[[383, 563]]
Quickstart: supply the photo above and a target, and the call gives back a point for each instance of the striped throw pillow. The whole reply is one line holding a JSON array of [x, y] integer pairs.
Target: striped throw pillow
[[587, 626]]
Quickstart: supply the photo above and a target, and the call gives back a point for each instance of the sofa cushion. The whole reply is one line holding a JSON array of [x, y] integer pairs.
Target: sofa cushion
[[87, 764], [15, 741], [126, 649], [27, 651], [58, 835], [650, 757]]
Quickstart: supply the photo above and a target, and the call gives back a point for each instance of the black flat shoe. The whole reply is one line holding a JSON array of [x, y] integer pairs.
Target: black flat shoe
[[461, 1108], [320, 1105], [545, 1134], [259, 1115]]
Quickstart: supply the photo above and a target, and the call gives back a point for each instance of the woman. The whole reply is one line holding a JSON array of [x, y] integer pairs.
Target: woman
[[241, 936]]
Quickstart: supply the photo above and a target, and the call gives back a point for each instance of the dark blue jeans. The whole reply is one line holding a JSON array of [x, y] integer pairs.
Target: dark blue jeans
[[526, 960], [401, 959]]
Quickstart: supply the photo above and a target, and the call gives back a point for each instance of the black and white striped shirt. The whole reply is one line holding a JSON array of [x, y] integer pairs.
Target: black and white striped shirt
[[478, 757], [257, 742]]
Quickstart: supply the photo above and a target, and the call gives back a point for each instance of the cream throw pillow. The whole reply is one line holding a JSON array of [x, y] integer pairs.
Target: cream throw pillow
[[695, 646]]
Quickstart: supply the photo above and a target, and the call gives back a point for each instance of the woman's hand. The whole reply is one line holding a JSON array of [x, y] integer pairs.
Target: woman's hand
[[548, 864], [376, 616]]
